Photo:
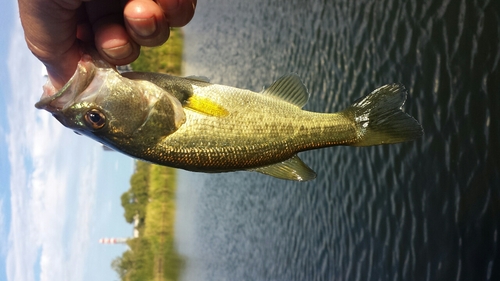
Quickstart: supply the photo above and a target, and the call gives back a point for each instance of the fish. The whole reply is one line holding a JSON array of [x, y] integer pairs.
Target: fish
[[192, 124]]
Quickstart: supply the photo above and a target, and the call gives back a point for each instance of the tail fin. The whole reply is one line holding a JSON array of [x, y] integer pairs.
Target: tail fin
[[380, 118]]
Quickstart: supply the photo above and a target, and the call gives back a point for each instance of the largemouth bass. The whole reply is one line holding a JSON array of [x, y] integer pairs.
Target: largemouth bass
[[191, 124]]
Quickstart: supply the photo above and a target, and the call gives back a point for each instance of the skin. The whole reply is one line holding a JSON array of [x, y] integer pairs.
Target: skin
[[56, 30]]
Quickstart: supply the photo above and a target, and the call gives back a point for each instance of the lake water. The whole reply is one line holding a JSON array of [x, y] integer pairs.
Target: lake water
[[424, 210]]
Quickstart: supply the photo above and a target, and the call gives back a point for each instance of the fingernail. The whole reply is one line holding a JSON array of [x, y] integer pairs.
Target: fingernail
[[143, 27], [120, 52]]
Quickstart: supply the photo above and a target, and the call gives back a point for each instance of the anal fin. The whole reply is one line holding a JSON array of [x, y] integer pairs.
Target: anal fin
[[291, 169]]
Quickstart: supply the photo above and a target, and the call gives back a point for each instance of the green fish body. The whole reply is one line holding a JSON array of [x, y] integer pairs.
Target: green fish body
[[195, 125]]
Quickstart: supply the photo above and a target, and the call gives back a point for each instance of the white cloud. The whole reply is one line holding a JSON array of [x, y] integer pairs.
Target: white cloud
[[52, 181]]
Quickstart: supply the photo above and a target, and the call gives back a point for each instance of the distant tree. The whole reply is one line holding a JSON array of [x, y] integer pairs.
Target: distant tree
[[130, 207], [135, 200], [139, 186], [123, 265], [143, 259]]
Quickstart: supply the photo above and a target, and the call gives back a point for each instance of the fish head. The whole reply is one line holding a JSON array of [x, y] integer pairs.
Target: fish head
[[119, 112]]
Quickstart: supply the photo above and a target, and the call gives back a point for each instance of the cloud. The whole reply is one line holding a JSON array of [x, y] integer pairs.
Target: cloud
[[52, 181]]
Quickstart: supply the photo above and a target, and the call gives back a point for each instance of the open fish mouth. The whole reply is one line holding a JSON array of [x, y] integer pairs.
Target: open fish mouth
[[54, 100]]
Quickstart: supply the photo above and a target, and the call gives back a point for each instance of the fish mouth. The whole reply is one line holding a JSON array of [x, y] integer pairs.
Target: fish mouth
[[55, 101]]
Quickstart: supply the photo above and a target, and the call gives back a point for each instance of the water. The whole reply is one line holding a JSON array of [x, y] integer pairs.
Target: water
[[426, 210]]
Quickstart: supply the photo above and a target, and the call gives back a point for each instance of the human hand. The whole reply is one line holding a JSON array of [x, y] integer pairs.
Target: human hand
[[55, 29]]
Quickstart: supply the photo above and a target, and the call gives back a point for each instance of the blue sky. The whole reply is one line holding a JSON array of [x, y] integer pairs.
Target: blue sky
[[59, 192]]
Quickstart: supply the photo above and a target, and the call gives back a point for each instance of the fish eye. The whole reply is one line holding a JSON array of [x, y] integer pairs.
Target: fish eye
[[95, 119]]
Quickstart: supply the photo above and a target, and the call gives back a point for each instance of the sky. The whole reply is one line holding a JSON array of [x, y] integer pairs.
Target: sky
[[59, 192]]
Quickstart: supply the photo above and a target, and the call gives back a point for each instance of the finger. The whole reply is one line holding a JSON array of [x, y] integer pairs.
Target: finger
[[178, 12], [146, 23], [111, 39], [113, 42], [50, 32], [84, 30]]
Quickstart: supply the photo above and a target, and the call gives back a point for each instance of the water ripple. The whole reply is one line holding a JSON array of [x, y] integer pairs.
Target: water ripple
[[427, 210]]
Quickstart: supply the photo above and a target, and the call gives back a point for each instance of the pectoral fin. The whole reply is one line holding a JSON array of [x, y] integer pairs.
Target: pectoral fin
[[206, 106], [291, 169]]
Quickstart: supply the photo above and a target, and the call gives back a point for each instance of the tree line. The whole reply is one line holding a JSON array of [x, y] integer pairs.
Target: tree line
[[152, 255]]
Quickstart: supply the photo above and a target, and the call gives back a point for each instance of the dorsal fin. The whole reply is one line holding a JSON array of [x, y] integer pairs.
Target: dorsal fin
[[291, 169], [289, 88]]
